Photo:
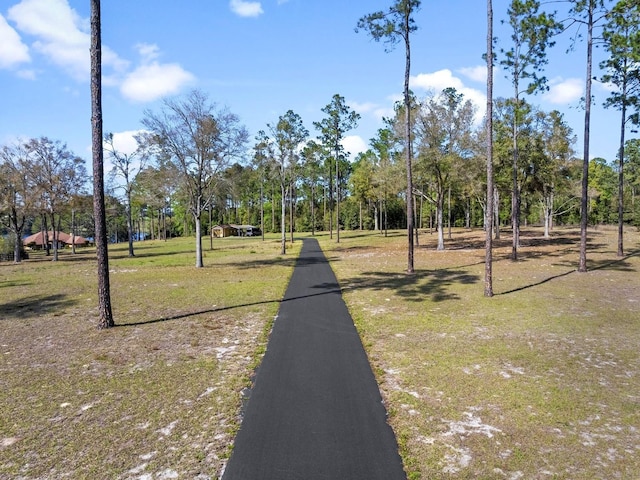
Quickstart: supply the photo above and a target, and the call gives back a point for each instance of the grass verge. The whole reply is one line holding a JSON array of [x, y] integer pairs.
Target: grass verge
[[156, 397], [540, 381]]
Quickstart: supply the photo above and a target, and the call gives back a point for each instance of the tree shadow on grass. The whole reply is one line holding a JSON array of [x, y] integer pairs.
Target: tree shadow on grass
[[416, 287], [194, 314], [326, 290], [412, 287], [619, 265], [278, 261], [34, 306], [14, 283], [541, 282]]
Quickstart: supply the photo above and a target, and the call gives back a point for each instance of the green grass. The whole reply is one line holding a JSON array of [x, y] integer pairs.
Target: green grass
[[158, 394], [540, 381]]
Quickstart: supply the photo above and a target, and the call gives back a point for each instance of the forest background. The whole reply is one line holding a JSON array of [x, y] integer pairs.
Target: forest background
[[370, 186]]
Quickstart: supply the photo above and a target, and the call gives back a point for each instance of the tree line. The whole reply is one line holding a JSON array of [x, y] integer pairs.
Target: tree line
[[432, 165], [290, 183]]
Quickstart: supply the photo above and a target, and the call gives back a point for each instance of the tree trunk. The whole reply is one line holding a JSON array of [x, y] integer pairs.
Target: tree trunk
[[291, 211], [262, 209], [283, 218], [162, 221], [337, 197], [210, 229], [104, 291], [496, 212], [330, 202], [415, 220], [430, 219], [197, 220], [546, 211], [551, 212], [313, 215], [55, 237], [45, 234], [439, 220], [273, 209], [129, 225], [386, 223], [582, 267], [407, 106], [488, 253], [324, 207], [449, 213], [621, 177], [73, 231], [376, 219], [467, 214], [515, 192], [17, 230]]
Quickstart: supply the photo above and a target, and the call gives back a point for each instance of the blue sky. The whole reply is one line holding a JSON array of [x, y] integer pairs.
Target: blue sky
[[258, 58]]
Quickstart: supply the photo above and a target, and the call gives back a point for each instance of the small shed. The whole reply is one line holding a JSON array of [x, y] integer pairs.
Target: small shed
[[222, 231]]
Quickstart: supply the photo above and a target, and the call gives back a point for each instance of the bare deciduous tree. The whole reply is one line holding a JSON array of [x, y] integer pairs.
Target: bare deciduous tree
[[126, 166], [55, 175], [202, 140], [16, 195]]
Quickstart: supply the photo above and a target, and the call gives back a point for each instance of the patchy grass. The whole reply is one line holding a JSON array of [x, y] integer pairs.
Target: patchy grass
[[156, 397], [540, 381]]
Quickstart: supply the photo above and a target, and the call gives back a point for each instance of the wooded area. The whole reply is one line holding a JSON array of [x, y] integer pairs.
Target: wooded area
[[180, 184]]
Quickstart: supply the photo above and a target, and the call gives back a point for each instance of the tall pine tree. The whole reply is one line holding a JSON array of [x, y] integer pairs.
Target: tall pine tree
[[622, 41], [391, 26], [104, 291]]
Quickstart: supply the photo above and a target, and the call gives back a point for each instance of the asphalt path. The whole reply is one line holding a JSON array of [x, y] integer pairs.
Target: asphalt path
[[315, 411]]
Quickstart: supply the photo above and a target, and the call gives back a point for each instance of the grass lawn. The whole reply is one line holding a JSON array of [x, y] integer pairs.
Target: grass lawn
[[156, 397], [542, 381]]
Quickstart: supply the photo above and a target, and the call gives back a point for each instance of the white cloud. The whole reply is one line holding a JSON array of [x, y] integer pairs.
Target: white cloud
[[477, 73], [438, 81], [13, 51], [562, 92], [26, 74], [61, 35], [374, 109], [125, 142], [361, 108], [57, 30], [246, 9], [354, 144], [154, 80], [607, 87], [148, 51]]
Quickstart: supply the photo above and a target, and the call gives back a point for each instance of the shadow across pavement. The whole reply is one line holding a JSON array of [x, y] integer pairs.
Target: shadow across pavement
[[315, 410]]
